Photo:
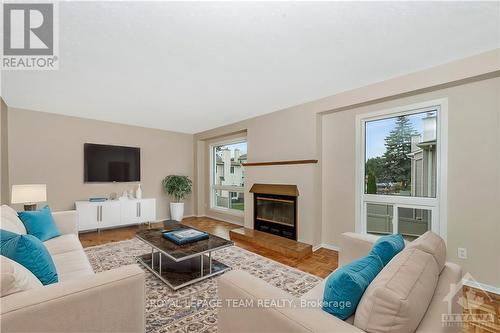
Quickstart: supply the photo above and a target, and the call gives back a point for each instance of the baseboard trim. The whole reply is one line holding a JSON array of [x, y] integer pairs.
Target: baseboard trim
[[325, 246]]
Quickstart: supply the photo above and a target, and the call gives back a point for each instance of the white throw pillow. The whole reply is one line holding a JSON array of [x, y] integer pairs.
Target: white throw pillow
[[10, 221], [15, 278]]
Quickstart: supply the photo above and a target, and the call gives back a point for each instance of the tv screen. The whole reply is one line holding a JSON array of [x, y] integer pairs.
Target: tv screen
[[105, 163]]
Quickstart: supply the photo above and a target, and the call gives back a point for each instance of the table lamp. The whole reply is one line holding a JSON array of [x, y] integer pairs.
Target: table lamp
[[29, 195]]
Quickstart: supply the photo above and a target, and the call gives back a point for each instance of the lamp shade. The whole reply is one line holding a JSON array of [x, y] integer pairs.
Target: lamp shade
[[29, 193]]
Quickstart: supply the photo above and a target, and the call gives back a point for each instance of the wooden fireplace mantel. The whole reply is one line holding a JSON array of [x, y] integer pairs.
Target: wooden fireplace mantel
[[276, 189], [280, 163]]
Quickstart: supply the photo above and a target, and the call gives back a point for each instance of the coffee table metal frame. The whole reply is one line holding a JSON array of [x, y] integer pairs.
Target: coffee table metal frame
[[157, 272]]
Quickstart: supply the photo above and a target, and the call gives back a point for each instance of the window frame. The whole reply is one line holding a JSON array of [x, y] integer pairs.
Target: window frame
[[213, 187], [438, 204]]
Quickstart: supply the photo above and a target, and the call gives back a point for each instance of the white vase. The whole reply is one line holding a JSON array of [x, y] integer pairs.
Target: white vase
[[176, 211], [138, 192]]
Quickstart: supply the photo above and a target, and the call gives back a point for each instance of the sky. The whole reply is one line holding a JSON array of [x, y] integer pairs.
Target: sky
[[241, 146], [378, 130]]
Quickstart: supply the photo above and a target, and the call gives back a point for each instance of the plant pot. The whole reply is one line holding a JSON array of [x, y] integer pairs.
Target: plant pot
[[176, 211]]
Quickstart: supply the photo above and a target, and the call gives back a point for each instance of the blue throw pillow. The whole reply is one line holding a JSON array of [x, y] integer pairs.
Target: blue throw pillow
[[387, 247], [40, 223], [30, 252], [346, 285]]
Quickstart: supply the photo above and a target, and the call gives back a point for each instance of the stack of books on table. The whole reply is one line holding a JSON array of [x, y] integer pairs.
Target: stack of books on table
[[185, 236]]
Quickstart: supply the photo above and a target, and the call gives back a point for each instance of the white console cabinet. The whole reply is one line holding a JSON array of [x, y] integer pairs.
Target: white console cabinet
[[114, 213]]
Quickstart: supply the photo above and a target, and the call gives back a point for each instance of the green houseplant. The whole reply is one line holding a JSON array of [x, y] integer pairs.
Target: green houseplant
[[177, 187]]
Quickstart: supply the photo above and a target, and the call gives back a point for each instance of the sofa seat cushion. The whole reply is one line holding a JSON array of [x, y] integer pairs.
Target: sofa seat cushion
[[399, 296], [62, 244], [15, 278], [72, 265], [10, 221]]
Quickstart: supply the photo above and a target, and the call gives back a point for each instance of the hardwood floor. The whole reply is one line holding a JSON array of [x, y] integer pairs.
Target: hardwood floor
[[320, 263]]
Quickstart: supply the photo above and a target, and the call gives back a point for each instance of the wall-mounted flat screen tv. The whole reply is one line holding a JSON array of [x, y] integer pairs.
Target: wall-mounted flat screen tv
[[105, 163]]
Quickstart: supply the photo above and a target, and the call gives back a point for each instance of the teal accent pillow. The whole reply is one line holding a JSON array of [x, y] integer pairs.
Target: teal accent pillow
[[387, 247], [30, 252], [40, 223], [346, 285]]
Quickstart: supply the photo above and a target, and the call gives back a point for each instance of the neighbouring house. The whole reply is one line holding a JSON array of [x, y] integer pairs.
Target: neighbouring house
[[230, 172], [423, 159]]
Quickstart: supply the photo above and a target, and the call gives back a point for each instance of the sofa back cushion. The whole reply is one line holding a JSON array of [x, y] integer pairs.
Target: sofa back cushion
[[15, 278], [432, 244], [30, 252], [10, 221], [397, 299], [40, 223], [345, 286]]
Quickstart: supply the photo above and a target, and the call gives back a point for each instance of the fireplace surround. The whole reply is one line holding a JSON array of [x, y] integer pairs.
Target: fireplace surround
[[275, 209]]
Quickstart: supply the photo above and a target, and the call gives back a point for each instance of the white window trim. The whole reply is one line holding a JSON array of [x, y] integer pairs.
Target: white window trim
[[241, 189], [440, 202]]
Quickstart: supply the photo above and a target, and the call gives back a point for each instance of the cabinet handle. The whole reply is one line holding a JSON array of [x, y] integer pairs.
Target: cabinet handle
[[101, 214], [140, 209], [97, 213]]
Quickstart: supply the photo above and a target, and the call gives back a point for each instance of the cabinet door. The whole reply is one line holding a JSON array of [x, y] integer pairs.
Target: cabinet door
[[130, 212], [147, 210], [88, 216], [110, 214]]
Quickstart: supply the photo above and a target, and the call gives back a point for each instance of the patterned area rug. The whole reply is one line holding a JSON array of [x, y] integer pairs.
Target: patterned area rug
[[192, 309]]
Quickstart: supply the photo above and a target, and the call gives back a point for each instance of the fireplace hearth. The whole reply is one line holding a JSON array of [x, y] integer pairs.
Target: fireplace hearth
[[275, 209]]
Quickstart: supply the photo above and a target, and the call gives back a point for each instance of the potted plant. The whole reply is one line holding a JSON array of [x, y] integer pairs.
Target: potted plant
[[178, 187]]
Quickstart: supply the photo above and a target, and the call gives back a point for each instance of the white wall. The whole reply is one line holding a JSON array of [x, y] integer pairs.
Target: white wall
[[4, 147]]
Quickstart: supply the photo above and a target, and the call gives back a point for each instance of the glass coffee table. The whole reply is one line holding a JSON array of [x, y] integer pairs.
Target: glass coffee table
[[181, 265]]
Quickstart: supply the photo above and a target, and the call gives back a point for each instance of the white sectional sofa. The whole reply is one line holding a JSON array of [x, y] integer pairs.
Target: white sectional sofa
[[286, 314], [82, 301]]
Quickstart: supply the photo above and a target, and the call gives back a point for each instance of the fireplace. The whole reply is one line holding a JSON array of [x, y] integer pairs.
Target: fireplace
[[275, 209]]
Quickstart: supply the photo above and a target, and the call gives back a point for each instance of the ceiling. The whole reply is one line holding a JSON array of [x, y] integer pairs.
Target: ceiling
[[190, 66]]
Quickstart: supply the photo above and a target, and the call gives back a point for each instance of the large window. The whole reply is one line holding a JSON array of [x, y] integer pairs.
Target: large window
[[228, 177], [400, 171]]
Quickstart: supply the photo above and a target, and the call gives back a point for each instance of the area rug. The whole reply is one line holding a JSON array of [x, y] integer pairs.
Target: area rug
[[193, 308]]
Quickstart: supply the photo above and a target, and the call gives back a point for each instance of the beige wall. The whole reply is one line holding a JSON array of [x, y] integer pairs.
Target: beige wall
[[473, 173], [48, 148], [4, 166], [277, 136], [307, 132]]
